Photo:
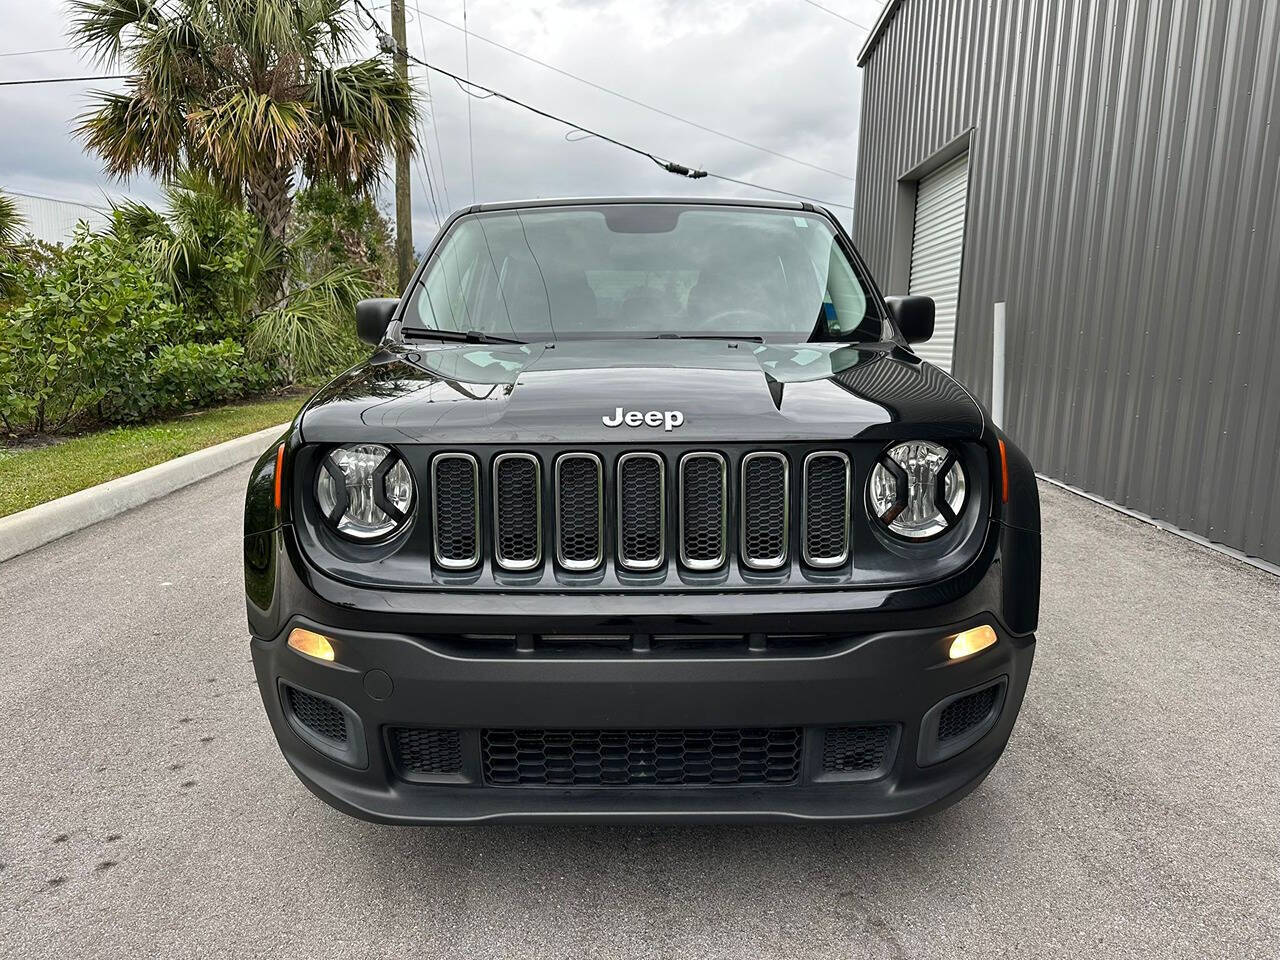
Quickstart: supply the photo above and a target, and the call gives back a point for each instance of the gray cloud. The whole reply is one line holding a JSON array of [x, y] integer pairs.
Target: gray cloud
[[776, 72]]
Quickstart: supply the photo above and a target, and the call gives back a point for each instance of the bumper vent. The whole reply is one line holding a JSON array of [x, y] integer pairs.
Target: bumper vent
[[455, 487], [579, 511], [318, 715], [517, 511], [425, 753], [964, 714], [857, 751], [764, 510], [642, 514], [641, 757], [825, 522], [703, 510]]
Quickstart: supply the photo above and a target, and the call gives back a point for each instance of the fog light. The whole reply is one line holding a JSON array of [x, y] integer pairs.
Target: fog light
[[317, 645], [970, 642]]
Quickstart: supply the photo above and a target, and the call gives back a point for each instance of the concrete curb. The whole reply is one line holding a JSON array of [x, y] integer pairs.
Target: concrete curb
[[24, 531]]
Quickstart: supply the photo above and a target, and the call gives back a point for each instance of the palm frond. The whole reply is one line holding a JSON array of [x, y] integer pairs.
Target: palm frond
[[248, 130], [361, 111], [102, 25], [11, 222], [134, 131]]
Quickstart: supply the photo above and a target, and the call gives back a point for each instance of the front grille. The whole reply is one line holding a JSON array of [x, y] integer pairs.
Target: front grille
[[637, 530], [966, 713], [317, 714], [703, 510], [825, 522], [517, 511], [455, 488], [765, 505], [856, 749], [579, 511], [642, 514], [641, 757], [426, 753]]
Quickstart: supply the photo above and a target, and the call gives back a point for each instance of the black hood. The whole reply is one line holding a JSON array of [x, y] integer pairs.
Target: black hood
[[561, 393]]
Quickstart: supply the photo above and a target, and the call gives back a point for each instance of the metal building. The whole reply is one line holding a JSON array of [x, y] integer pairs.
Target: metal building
[[1111, 169]]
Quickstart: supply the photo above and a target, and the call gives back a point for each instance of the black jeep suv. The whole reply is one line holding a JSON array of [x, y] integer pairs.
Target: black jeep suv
[[642, 509]]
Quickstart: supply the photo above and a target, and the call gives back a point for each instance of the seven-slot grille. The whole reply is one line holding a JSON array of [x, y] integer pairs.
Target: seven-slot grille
[[636, 489]]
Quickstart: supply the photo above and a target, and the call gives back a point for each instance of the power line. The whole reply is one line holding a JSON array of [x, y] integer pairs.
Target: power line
[[838, 16], [435, 127], [387, 45], [21, 83], [628, 99], [27, 53]]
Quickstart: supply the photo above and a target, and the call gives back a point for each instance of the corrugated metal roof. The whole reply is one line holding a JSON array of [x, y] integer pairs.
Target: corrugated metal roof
[[53, 220]]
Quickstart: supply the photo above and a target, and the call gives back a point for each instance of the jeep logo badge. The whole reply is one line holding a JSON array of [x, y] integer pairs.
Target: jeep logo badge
[[667, 419]]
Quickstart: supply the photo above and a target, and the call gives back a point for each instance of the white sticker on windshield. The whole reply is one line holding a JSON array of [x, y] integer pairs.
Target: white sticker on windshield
[[800, 221]]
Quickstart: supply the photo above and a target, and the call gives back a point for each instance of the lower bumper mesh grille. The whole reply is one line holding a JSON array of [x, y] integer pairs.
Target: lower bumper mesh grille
[[419, 753], [856, 749], [966, 713], [317, 715], [641, 757]]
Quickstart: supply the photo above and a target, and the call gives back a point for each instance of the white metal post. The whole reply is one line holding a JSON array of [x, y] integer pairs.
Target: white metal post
[[997, 364]]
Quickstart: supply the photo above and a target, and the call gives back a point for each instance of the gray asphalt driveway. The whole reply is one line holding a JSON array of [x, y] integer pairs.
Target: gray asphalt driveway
[[146, 812]]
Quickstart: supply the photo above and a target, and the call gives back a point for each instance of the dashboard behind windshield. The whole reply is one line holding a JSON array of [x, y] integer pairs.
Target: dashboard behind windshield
[[644, 270]]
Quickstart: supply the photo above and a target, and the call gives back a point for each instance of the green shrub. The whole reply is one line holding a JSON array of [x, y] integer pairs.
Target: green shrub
[[187, 376]]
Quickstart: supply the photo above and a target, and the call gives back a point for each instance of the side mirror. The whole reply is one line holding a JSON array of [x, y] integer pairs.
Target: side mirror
[[372, 318], [913, 315]]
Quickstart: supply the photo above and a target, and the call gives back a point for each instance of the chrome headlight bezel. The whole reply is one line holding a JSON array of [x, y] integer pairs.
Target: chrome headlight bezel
[[909, 477], [364, 491]]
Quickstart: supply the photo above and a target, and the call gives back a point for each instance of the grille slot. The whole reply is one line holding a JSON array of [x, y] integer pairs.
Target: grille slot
[[765, 509], [641, 757], [825, 515], [425, 753], [703, 510], [317, 714], [642, 511], [966, 713], [579, 511], [455, 489], [856, 750], [517, 511]]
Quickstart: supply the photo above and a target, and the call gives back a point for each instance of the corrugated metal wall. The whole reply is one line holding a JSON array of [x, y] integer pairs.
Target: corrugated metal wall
[[1125, 200], [54, 221]]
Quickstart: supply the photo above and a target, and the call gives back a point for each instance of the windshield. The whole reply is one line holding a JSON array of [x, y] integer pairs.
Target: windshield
[[644, 270]]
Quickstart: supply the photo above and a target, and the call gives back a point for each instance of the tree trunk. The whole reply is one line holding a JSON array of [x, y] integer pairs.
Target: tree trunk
[[270, 199]]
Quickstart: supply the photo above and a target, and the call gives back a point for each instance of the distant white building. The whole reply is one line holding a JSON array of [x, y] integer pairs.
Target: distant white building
[[53, 220]]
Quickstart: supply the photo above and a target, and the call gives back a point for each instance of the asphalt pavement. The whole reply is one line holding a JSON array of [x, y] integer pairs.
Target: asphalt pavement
[[145, 810]]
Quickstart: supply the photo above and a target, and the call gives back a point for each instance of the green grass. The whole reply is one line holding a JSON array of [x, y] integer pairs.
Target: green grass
[[36, 474]]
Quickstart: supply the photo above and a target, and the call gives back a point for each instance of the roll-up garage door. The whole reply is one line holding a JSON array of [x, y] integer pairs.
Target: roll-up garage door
[[937, 247]]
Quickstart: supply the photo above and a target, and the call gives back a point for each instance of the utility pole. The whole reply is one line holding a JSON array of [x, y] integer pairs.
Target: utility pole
[[404, 207]]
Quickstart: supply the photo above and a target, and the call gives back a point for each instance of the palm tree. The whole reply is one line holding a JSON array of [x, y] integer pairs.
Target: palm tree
[[11, 224], [250, 93]]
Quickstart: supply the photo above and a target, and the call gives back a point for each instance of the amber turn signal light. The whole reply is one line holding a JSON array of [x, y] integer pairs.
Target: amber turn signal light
[[311, 643], [969, 642]]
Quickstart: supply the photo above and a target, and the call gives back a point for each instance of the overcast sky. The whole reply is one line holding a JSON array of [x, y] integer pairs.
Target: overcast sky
[[777, 73]]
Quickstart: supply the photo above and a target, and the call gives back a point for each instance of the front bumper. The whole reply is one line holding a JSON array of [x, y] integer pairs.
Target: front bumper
[[888, 677]]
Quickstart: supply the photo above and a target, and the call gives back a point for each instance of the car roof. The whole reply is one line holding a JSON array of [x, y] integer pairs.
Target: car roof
[[600, 201]]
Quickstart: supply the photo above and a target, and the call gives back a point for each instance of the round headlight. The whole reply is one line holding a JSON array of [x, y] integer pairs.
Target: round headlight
[[365, 490], [917, 489]]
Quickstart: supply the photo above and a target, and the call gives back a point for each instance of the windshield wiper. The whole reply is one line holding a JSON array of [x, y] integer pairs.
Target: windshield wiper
[[708, 336], [462, 336]]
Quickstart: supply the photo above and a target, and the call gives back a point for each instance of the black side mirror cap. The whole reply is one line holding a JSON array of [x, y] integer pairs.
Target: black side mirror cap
[[913, 315], [373, 317]]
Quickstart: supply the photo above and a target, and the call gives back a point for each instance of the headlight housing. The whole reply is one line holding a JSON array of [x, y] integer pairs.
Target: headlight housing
[[365, 490], [917, 489]]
